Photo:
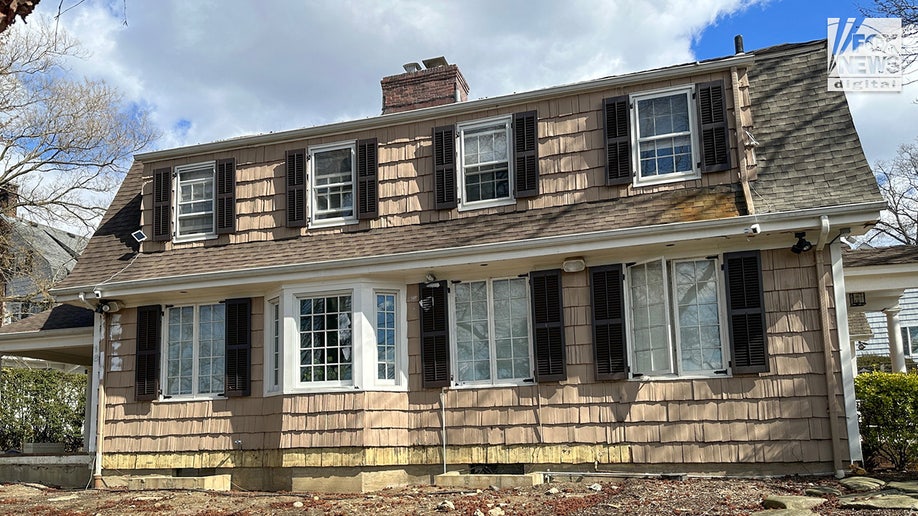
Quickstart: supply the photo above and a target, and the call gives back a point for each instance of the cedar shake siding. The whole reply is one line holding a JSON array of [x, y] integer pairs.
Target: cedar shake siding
[[759, 421], [631, 322]]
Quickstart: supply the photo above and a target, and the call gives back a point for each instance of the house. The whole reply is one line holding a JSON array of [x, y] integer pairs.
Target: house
[[35, 257], [883, 284], [635, 273]]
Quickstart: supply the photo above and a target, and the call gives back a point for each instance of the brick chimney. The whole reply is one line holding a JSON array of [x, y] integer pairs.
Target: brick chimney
[[439, 84]]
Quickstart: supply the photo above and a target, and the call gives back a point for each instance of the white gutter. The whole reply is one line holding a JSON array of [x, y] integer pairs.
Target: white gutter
[[661, 74], [850, 215]]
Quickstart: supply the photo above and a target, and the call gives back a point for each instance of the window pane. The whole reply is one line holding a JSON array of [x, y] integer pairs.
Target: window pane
[[648, 319], [325, 338], [695, 290], [385, 336], [664, 135], [486, 163], [195, 200], [333, 184]]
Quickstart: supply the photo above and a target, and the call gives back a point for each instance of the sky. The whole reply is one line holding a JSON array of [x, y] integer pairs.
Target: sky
[[215, 69]]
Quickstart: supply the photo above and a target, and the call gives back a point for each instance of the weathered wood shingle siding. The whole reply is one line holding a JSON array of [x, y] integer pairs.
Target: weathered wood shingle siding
[[777, 417], [571, 152]]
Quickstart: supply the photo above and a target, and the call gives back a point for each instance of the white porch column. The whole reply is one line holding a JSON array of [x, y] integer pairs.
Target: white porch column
[[894, 331]]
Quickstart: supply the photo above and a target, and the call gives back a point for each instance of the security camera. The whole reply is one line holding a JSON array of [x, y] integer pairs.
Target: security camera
[[111, 307], [754, 229], [97, 293]]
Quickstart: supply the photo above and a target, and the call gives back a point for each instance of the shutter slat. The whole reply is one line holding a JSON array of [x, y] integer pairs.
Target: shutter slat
[[162, 204], [746, 306], [238, 342], [617, 126], [226, 196], [444, 152], [296, 188], [367, 179], [548, 325], [434, 336], [526, 154], [712, 120], [146, 372], [609, 343]]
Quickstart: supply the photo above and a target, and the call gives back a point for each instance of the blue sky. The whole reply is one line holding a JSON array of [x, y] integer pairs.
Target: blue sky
[[217, 69], [773, 23]]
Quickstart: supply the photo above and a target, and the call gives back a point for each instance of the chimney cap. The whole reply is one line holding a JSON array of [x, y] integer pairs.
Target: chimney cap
[[434, 62], [411, 67]]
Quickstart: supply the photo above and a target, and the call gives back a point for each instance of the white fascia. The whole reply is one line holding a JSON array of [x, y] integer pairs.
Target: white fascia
[[854, 216]]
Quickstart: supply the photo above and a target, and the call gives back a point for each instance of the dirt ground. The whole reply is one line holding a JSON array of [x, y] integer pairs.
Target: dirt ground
[[617, 496]]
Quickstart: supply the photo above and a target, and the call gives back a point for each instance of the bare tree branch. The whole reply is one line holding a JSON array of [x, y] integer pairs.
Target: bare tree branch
[[898, 181]]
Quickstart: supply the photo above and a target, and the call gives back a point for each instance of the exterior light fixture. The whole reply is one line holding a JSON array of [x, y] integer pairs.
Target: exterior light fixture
[[857, 298], [803, 245]]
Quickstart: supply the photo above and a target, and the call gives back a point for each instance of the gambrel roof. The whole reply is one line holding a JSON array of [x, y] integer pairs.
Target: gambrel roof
[[809, 157]]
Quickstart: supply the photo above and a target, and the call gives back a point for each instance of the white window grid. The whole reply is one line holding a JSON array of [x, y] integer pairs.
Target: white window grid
[[485, 163], [194, 201], [664, 143], [194, 351], [332, 183]]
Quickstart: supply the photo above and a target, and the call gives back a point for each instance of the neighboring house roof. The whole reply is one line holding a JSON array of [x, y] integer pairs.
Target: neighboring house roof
[[810, 157], [870, 256], [61, 317], [57, 248]]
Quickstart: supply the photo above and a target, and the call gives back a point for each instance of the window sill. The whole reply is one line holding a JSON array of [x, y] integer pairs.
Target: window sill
[[491, 203], [672, 377], [665, 179], [193, 238], [330, 223], [186, 398], [466, 386]]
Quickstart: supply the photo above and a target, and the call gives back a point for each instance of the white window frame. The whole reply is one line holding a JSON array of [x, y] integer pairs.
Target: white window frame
[[376, 329], [177, 196], [364, 363], [314, 221], [492, 350], [274, 346], [907, 341], [674, 345], [464, 203], [196, 347], [692, 133]]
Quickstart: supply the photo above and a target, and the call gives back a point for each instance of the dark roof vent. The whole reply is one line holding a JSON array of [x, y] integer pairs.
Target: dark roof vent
[[738, 43]]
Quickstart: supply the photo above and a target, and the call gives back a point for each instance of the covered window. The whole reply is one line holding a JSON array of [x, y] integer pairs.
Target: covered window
[[675, 318], [195, 200], [690, 317], [492, 331], [195, 350], [326, 343], [332, 183], [486, 174], [665, 142]]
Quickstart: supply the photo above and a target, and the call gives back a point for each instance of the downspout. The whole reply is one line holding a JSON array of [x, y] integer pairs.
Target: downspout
[[741, 140], [97, 482], [831, 384]]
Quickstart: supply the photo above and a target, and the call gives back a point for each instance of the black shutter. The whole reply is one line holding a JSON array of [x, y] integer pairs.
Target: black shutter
[[367, 186], [444, 154], [162, 204], [238, 347], [609, 342], [548, 326], [434, 334], [526, 153], [617, 124], [296, 188], [146, 357], [226, 196], [746, 312], [712, 120]]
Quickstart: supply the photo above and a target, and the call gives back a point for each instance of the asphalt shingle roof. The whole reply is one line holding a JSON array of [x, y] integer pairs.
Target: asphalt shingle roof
[[897, 255], [60, 317]]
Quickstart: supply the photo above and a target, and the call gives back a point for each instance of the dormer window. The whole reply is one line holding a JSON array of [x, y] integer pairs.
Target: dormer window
[[485, 170], [194, 201], [665, 148], [332, 183]]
